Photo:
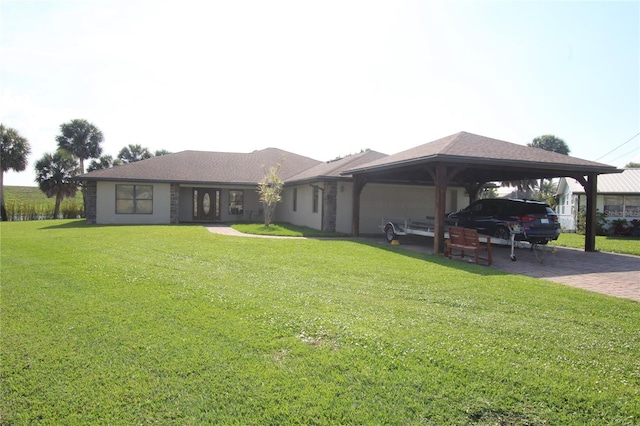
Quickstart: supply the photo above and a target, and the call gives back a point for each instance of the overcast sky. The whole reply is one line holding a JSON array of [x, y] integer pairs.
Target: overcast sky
[[322, 78]]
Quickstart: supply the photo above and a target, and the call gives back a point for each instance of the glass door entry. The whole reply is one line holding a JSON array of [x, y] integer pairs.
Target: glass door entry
[[206, 204]]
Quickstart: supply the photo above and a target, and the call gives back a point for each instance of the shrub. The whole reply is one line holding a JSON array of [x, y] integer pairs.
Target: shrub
[[601, 222]]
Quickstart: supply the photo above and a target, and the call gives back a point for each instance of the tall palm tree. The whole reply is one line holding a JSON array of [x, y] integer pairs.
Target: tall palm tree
[[81, 139], [14, 150], [54, 173]]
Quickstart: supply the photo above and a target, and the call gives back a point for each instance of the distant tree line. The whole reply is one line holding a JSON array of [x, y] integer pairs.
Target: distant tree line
[[78, 142]]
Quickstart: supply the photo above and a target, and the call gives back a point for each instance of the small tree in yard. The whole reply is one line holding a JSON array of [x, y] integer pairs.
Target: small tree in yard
[[269, 189]]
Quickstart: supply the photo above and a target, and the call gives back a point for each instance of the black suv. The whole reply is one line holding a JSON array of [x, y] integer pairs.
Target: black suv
[[538, 223]]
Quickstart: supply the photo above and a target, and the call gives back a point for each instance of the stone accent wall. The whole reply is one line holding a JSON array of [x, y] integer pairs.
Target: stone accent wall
[[329, 206], [91, 200], [175, 203]]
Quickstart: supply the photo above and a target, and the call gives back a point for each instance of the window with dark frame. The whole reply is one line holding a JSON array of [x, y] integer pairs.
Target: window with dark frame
[[316, 194], [195, 203], [295, 199], [134, 199], [236, 202]]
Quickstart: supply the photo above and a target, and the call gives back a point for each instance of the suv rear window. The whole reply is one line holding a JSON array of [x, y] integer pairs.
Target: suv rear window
[[537, 208]]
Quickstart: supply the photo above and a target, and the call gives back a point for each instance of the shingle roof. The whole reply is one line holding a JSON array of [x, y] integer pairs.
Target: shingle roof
[[627, 182], [335, 168], [470, 148], [207, 167]]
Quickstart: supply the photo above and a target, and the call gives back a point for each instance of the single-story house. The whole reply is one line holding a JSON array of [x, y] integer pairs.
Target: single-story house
[[618, 197], [206, 187], [350, 195]]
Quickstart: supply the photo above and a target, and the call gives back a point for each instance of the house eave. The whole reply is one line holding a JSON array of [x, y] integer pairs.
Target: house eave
[[487, 162]]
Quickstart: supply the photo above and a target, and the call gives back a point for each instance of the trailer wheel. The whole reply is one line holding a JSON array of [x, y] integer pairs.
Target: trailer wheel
[[502, 233], [388, 232], [513, 257]]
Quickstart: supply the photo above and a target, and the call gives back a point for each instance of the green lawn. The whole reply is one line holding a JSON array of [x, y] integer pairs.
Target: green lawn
[[282, 229], [173, 324], [626, 245]]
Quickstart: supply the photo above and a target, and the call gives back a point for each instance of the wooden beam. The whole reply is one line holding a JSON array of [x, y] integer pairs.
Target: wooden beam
[[441, 180], [591, 190], [590, 185]]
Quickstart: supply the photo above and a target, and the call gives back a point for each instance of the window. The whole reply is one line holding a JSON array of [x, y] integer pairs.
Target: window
[[613, 205], [295, 199], [195, 203], [236, 202], [134, 199], [316, 194], [632, 206]]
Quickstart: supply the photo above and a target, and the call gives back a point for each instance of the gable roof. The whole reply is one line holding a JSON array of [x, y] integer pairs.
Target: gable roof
[[334, 169], [207, 167], [500, 159], [627, 182]]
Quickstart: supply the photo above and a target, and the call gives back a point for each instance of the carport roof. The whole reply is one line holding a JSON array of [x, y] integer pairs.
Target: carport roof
[[480, 159]]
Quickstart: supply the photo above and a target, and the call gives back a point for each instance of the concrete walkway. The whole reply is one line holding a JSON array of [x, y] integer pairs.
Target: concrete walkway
[[222, 229], [613, 274]]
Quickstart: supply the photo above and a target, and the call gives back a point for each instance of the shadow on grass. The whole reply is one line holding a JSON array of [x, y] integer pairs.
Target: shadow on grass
[[81, 223], [421, 249]]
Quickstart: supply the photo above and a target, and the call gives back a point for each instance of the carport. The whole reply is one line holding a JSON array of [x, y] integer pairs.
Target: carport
[[470, 161]]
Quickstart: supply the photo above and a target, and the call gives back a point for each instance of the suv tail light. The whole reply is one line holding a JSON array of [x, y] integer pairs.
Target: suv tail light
[[526, 219]]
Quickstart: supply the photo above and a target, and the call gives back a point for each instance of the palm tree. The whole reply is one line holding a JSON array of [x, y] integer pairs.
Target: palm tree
[[547, 193], [132, 153], [14, 150], [549, 143], [81, 139], [54, 175], [104, 162]]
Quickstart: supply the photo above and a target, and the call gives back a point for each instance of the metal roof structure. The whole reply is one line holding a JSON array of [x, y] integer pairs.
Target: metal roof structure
[[627, 182]]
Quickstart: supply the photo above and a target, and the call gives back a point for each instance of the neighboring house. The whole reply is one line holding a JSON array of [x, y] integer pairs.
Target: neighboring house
[[618, 197], [351, 195]]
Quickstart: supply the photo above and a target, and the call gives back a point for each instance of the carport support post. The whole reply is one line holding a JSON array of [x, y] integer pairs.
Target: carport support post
[[441, 181], [591, 190]]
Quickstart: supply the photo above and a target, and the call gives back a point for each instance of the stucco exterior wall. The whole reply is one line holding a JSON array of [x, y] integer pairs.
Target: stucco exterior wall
[[377, 201], [380, 201], [344, 222], [106, 205], [304, 215]]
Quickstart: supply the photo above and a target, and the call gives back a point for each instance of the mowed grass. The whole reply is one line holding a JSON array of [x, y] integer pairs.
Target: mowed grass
[[611, 244], [282, 230], [173, 324]]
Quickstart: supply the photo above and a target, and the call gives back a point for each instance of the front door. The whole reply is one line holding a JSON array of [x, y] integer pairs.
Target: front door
[[206, 204]]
